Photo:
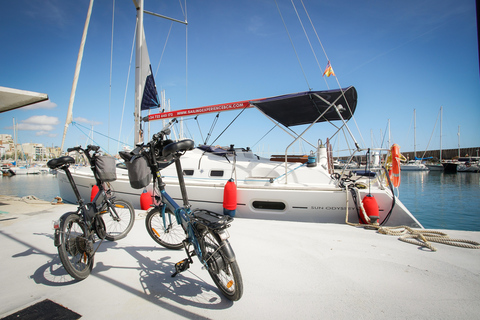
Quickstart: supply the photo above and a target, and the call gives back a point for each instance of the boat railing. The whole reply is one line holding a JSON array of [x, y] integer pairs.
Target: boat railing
[[350, 159]]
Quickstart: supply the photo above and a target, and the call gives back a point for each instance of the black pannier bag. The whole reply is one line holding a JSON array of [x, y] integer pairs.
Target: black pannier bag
[[139, 172], [106, 169]]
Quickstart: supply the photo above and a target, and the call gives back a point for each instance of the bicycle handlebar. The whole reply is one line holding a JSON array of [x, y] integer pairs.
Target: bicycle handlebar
[[89, 148], [165, 131]]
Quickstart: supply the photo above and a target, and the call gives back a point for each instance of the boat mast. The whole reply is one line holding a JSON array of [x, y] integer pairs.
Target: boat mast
[[77, 73], [389, 139], [441, 115], [15, 142], [414, 135], [138, 136], [458, 141], [139, 61]]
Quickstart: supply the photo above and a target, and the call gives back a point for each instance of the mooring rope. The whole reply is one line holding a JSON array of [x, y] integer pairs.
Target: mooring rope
[[423, 237]]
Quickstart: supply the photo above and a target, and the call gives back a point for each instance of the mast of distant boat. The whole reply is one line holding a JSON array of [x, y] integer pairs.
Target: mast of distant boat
[[77, 73], [414, 135], [458, 141], [15, 141], [441, 115]]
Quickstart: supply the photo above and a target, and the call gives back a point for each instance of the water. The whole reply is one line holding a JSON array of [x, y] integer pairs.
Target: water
[[442, 200], [42, 186], [438, 200]]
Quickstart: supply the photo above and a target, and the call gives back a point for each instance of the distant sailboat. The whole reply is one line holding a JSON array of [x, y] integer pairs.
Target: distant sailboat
[[414, 165], [438, 166]]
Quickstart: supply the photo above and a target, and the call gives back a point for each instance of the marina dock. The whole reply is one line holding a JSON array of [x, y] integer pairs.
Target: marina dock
[[289, 269]]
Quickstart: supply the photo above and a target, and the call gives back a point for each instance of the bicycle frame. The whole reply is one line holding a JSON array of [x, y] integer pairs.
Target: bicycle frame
[[182, 214], [101, 199]]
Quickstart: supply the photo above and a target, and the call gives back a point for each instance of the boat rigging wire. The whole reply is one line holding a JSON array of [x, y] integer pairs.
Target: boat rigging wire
[[293, 46], [110, 84], [126, 86], [326, 56], [199, 129], [308, 39], [231, 122], [264, 136], [163, 51], [76, 124], [433, 131], [214, 123]]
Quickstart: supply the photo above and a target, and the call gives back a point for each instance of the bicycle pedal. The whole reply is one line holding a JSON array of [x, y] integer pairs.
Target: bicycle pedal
[[181, 266]]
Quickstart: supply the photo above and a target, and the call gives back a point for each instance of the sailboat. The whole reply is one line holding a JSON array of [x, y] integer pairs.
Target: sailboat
[[438, 166], [279, 190], [415, 164]]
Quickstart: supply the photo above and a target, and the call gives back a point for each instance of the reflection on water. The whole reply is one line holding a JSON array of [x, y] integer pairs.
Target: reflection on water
[[443, 200]]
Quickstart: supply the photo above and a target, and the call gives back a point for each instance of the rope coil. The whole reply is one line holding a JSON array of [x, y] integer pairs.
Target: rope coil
[[424, 237]]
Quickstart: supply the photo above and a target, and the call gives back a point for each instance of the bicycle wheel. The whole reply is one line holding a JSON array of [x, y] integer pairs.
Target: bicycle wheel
[[75, 250], [225, 274], [119, 219], [164, 229]]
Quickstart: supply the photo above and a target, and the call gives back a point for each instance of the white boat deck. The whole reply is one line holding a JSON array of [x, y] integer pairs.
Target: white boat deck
[[290, 270]]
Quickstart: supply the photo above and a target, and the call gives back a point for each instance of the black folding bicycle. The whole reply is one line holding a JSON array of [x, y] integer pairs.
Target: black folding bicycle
[[106, 217]]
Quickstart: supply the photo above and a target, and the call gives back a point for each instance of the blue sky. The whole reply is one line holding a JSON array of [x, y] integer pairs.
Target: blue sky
[[400, 56]]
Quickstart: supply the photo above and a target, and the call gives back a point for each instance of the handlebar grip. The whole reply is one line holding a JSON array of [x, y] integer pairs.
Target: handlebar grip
[[93, 148], [180, 146], [77, 148]]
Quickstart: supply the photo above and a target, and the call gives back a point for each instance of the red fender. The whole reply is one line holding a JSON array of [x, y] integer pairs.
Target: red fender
[[230, 198], [93, 193], [145, 200]]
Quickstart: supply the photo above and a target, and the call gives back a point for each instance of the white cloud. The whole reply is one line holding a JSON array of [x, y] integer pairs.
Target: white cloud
[[38, 123], [46, 133], [41, 120], [34, 127], [86, 121], [41, 105]]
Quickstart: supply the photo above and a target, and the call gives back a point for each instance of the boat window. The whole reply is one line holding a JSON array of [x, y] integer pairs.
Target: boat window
[[188, 172], [269, 205], [216, 173]]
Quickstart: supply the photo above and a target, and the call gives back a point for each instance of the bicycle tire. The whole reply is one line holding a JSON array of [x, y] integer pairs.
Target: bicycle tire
[[118, 225], [226, 274], [166, 232], [74, 246]]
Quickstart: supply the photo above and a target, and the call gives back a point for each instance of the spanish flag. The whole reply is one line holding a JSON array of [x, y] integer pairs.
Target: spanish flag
[[328, 70]]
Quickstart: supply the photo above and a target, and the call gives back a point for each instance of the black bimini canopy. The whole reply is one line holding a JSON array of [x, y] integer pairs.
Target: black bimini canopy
[[305, 107]]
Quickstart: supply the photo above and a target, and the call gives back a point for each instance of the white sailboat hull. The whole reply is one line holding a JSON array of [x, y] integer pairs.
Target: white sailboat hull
[[261, 190], [414, 166]]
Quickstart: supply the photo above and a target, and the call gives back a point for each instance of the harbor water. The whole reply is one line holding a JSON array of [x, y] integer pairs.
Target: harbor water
[[438, 200], [442, 200]]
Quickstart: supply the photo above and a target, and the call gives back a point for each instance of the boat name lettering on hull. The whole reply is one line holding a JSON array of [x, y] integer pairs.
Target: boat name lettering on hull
[[331, 208]]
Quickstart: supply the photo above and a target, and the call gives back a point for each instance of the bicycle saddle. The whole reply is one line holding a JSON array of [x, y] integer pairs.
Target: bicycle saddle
[[59, 162], [179, 146]]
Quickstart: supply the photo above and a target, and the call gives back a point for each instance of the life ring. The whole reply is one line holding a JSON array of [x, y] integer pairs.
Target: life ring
[[395, 171]]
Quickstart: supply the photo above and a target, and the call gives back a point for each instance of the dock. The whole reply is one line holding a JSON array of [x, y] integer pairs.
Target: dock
[[290, 270]]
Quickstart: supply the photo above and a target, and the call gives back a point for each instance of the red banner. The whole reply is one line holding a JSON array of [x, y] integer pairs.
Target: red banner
[[195, 111]]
